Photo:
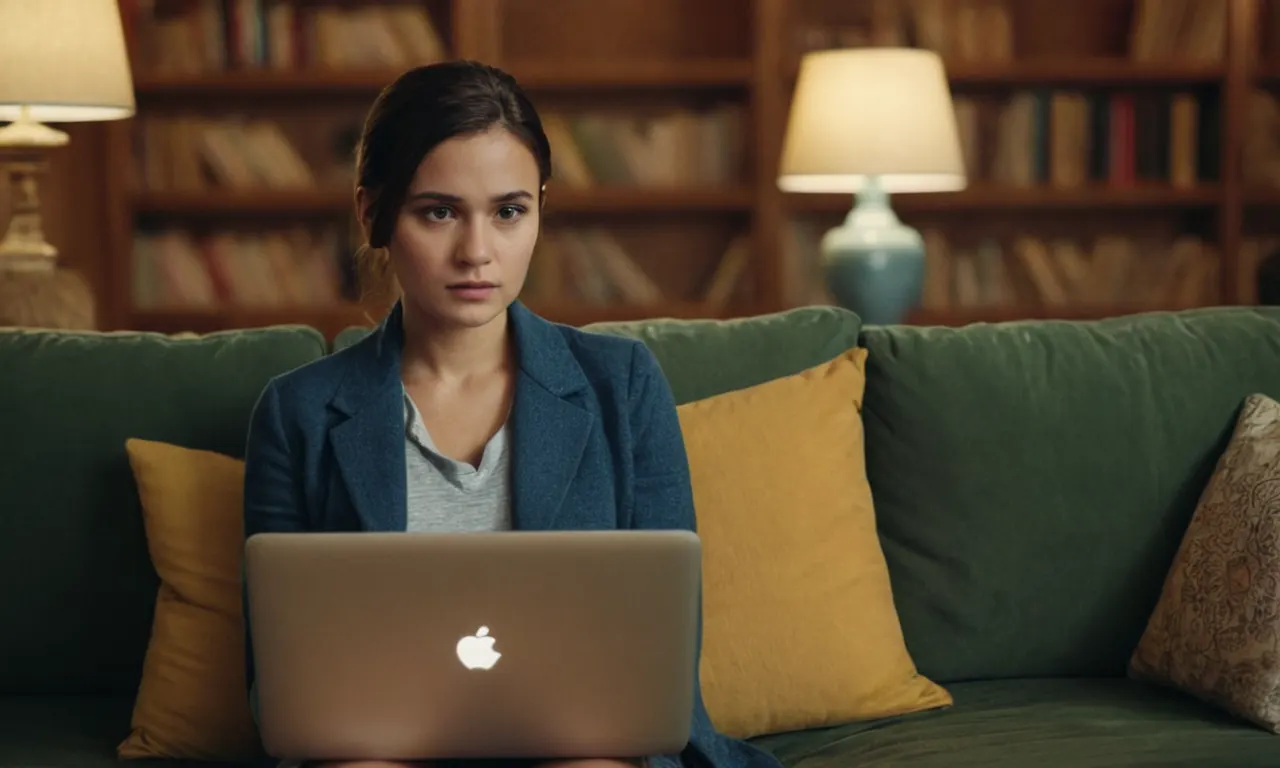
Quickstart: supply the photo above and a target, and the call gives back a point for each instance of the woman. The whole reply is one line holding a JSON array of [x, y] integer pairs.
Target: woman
[[464, 411]]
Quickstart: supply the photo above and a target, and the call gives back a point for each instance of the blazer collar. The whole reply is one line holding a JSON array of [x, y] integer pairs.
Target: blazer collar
[[549, 426]]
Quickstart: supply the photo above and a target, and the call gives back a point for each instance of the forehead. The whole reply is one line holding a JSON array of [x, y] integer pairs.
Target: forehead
[[489, 163]]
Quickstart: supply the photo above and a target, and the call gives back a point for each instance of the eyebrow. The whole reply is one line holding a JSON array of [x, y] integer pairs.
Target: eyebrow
[[444, 197]]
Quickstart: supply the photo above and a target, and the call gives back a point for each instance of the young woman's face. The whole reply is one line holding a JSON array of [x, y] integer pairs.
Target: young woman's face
[[467, 230]]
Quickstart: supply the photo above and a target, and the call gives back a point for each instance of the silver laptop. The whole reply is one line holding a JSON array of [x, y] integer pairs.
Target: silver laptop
[[401, 646]]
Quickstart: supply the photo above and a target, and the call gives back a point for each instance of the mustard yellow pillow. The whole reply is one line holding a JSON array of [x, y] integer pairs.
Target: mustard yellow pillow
[[192, 701], [799, 624]]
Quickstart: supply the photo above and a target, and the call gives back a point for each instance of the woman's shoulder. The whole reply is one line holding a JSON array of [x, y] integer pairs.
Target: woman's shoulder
[[607, 356], [314, 383]]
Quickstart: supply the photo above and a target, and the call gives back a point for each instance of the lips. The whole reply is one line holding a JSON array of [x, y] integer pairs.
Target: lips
[[472, 286]]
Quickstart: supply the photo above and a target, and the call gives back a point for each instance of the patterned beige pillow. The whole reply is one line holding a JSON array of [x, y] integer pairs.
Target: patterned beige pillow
[[1215, 632]]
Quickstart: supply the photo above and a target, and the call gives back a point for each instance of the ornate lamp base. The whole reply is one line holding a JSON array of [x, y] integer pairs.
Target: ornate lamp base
[[58, 299], [33, 292], [873, 263]]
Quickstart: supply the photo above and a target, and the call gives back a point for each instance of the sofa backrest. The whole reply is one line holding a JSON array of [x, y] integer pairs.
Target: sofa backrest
[[702, 357], [77, 589], [1033, 480]]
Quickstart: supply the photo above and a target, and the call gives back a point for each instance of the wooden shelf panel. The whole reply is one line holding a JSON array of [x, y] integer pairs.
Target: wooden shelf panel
[[263, 83], [541, 75], [1031, 198], [337, 202], [1084, 72], [1262, 198], [969, 315], [236, 203], [1064, 72], [648, 199], [658, 73]]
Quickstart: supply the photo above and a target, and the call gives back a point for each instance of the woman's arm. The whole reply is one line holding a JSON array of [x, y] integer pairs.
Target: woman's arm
[[663, 497], [272, 495], [664, 500]]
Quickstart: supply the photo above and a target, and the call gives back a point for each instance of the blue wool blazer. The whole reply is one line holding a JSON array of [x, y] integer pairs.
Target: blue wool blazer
[[596, 444]]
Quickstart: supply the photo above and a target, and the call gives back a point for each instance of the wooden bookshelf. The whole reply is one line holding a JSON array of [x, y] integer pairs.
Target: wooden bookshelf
[[646, 56]]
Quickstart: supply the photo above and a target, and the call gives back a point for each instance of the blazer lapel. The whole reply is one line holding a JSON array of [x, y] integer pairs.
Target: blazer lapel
[[367, 448], [548, 426]]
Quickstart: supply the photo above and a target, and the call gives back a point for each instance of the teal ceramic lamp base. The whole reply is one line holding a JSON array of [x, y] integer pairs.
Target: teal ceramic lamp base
[[873, 263]]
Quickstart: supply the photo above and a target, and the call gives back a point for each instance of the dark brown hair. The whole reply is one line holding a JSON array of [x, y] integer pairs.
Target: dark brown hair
[[422, 108]]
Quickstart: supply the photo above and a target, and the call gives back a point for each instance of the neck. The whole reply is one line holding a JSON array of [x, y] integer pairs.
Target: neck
[[452, 353]]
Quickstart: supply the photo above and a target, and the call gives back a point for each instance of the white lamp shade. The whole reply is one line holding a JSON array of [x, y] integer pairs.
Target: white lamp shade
[[884, 112], [65, 60]]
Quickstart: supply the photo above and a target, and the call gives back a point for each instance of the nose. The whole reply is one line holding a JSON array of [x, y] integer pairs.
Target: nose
[[476, 248]]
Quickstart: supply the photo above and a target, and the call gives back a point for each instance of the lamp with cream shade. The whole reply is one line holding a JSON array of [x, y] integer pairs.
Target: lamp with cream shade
[[61, 61], [872, 122]]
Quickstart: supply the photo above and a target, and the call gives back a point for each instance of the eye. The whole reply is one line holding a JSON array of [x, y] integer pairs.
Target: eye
[[437, 213], [510, 212]]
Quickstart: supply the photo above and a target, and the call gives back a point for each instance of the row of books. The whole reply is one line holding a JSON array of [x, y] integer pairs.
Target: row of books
[[679, 147], [958, 30], [298, 267], [1182, 30], [1067, 138], [1260, 150], [210, 36], [1029, 271], [287, 268], [591, 267], [984, 30], [192, 153]]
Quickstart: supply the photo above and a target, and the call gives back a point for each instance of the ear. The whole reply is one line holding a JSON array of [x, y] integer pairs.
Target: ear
[[363, 202], [542, 197]]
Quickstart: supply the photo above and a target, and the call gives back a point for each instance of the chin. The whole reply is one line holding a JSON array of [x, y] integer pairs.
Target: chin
[[462, 314]]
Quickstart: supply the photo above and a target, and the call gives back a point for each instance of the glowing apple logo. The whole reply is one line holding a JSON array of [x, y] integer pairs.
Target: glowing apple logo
[[476, 651]]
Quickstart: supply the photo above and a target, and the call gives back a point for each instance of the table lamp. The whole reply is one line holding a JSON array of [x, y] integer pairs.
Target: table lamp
[[60, 61], [870, 122]]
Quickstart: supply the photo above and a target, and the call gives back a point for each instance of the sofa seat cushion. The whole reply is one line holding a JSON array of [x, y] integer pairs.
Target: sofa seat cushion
[[1043, 723], [68, 732]]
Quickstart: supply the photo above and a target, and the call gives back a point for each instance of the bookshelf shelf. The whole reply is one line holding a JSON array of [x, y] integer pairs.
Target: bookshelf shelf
[[234, 203], [1094, 72], [622, 199], [1262, 198], [247, 83], [637, 200], [610, 74], [1030, 198], [1077, 72], [538, 75]]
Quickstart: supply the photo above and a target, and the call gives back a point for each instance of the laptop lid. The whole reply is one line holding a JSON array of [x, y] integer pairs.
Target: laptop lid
[[401, 646]]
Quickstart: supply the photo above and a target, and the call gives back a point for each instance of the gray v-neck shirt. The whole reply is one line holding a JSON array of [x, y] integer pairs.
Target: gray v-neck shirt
[[448, 496]]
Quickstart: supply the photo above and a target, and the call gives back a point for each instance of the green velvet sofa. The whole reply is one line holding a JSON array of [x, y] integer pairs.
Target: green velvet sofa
[[1032, 482]]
